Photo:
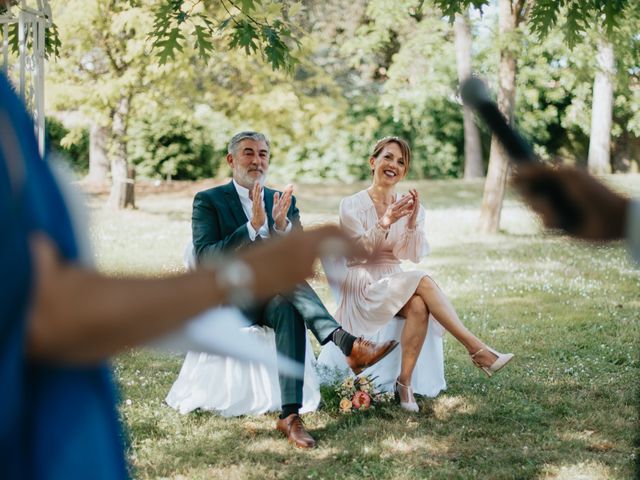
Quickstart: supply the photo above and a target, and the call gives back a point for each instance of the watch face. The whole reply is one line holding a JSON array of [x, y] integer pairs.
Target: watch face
[[236, 277]]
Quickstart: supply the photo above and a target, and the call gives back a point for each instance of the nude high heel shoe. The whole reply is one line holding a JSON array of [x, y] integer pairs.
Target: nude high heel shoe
[[501, 361], [410, 406]]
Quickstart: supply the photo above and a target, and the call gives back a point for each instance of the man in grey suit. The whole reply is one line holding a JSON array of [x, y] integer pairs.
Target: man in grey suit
[[242, 213]]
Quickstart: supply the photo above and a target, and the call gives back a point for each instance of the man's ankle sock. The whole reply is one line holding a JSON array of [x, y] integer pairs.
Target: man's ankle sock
[[344, 340], [289, 409]]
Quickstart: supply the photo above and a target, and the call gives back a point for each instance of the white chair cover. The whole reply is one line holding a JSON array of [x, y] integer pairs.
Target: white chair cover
[[232, 387]]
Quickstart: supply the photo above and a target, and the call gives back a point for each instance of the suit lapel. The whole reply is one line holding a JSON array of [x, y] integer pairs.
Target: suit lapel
[[233, 201], [268, 205]]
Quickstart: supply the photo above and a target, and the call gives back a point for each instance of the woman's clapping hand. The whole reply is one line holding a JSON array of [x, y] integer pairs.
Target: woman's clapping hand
[[413, 216], [400, 208]]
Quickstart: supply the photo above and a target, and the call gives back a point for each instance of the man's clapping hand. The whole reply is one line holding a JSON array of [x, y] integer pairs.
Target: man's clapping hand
[[281, 204], [258, 216]]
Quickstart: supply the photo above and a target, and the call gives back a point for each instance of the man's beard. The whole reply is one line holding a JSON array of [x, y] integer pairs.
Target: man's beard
[[248, 181]]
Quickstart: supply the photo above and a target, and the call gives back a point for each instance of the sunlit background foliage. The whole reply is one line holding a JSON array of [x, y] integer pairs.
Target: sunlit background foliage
[[361, 70]]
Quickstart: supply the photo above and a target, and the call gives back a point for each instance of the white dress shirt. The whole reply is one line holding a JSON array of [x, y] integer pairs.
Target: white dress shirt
[[247, 207]]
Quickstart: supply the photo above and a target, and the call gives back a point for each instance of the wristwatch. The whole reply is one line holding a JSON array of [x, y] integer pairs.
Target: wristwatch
[[236, 278]]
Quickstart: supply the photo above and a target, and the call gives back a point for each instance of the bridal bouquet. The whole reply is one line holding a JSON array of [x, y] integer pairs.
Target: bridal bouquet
[[359, 393]]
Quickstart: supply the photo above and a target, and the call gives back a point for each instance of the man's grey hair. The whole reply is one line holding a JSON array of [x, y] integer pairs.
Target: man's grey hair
[[239, 137]]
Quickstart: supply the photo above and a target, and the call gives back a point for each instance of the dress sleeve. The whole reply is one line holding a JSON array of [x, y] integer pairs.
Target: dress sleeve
[[352, 225], [413, 244]]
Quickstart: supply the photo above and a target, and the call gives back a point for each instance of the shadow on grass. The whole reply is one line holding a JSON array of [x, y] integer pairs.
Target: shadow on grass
[[481, 429]]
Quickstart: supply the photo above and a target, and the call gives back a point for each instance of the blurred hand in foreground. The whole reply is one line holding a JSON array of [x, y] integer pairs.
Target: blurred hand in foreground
[[80, 316], [280, 265], [602, 212]]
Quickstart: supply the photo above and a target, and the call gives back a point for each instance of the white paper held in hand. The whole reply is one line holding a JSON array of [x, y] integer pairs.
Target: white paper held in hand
[[223, 331]]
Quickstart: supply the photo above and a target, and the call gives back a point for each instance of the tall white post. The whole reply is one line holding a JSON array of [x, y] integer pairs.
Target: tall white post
[[22, 52], [5, 48], [31, 25], [39, 82]]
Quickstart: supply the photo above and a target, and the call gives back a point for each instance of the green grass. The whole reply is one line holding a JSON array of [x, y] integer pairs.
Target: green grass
[[564, 409]]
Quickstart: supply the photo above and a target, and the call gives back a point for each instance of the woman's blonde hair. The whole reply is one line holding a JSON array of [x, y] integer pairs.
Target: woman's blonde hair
[[401, 142]]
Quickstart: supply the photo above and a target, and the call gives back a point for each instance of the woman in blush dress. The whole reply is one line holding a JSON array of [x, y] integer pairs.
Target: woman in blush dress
[[374, 291]]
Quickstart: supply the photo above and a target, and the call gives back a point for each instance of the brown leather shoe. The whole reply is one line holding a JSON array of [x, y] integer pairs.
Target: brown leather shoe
[[366, 353], [294, 430]]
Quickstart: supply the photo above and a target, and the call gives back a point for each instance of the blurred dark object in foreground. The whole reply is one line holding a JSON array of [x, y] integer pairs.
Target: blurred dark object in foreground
[[566, 198]]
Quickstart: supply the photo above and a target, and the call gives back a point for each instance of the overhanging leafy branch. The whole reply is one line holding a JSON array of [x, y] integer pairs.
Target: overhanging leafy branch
[[246, 25]]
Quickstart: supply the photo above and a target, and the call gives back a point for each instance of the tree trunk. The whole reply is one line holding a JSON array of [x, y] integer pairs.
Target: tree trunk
[[98, 159], [122, 177], [602, 111], [472, 148], [494, 186]]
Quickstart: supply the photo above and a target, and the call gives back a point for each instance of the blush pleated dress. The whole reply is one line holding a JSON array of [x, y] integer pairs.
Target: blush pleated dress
[[372, 293]]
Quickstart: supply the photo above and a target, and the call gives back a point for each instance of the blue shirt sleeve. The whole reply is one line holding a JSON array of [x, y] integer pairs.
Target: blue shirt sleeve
[[56, 421], [15, 287]]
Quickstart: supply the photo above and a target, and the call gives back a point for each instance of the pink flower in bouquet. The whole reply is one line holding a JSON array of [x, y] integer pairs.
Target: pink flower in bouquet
[[361, 400], [345, 405]]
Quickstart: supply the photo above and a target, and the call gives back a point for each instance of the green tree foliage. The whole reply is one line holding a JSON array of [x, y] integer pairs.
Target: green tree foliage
[[554, 94], [406, 51], [165, 145], [255, 26], [72, 146], [365, 69], [51, 36], [554, 84], [578, 17], [419, 95]]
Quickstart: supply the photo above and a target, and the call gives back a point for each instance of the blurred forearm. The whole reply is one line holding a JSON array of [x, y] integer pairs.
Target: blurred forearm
[[83, 317], [80, 316]]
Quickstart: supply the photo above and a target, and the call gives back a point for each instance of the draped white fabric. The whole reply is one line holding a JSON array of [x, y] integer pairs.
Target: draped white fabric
[[231, 387]]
